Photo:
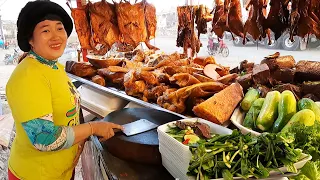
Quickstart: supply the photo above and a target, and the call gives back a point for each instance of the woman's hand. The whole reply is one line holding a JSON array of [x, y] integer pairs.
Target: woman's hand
[[104, 129]]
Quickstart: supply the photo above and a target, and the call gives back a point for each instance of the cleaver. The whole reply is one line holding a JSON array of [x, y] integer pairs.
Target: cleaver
[[137, 127]]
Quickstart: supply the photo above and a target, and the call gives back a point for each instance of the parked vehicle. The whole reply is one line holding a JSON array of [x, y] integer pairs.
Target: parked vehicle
[[218, 47], [11, 58]]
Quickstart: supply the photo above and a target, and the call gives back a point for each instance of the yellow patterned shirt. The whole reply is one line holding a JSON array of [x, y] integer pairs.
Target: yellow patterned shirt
[[35, 90]]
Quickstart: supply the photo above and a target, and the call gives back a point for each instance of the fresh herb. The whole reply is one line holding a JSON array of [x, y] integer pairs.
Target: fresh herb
[[306, 138], [241, 155]]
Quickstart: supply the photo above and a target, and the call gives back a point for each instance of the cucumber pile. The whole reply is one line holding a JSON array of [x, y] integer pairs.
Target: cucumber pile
[[277, 111]]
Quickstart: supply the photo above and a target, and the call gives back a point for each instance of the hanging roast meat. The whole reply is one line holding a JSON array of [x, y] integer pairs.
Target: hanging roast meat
[[251, 25], [301, 21], [151, 20], [278, 17], [219, 22], [218, 12], [202, 17], [234, 20], [82, 26], [256, 24], [104, 26], [132, 23], [186, 36], [315, 10]]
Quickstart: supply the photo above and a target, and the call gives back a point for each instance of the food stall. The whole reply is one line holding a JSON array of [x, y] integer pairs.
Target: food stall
[[126, 79]]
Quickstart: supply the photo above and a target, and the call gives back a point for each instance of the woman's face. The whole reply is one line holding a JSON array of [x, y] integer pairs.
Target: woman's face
[[49, 39]]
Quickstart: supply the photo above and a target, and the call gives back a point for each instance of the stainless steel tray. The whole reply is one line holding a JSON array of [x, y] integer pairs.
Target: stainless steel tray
[[122, 94]]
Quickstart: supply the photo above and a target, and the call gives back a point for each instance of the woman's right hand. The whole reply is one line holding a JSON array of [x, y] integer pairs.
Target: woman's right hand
[[105, 130]]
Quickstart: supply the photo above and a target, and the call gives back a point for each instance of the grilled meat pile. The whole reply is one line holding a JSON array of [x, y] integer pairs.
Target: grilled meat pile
[[172, 81], [101, 24], [281, 73]]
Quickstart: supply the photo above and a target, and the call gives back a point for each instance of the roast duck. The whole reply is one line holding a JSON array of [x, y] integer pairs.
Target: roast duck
[[301, 20], [172, 81], [100, 25]]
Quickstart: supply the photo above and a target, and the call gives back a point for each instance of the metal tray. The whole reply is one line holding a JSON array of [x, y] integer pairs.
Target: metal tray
[[123, 95]]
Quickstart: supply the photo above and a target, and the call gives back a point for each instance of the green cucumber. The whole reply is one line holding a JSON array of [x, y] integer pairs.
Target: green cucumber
[[305, 116], [252, 115], [318, 104], [269, 111], [287, 107], [306, 103], [249, 98]]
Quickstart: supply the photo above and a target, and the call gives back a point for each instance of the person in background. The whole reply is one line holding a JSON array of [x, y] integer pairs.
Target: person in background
[[1, 43], [45, 104]]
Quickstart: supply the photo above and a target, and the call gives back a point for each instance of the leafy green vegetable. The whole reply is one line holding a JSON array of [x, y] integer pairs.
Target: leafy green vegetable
[[242, 155], [226, 174], [311, 170], [306, 138]]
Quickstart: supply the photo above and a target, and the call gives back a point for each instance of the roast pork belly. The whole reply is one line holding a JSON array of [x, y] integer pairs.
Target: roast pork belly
[[307, 71], [245, 81], [312, 97], [282, 62], [296, 90], [311, 88], [263, 90], [245, 66], [219, 108], [261, 74], [283, 75]]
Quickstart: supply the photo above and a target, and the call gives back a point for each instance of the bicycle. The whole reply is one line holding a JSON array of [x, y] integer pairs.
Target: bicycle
[[217, 48]]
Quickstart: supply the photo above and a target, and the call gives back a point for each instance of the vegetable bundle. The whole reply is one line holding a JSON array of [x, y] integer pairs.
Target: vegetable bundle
[[241, 155]]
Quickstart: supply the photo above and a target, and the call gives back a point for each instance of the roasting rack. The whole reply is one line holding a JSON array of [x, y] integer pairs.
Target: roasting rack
[[122, 94]]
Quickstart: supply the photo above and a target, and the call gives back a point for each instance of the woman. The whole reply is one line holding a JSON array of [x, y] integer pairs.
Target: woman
[[45, 105]]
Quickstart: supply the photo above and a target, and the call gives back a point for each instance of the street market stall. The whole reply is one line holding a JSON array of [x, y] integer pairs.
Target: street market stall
[[124, 70]]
